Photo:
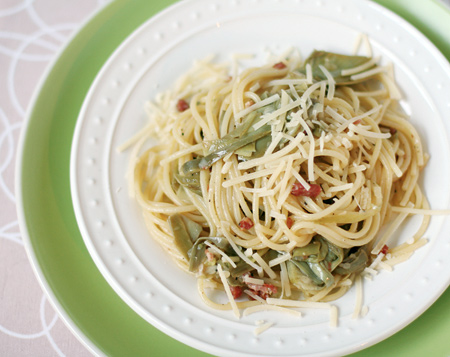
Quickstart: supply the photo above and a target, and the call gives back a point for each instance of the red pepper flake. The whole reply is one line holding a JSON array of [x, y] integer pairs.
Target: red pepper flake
[[289, 222], [392, 131], [246, 223], [356, 122], [384, 250], [209, 255], [299, 190], [279, 65], [236, 291], [182, 105], [264, 291]]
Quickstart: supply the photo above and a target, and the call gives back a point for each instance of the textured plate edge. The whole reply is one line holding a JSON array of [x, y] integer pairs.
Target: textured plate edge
[[429, 45]]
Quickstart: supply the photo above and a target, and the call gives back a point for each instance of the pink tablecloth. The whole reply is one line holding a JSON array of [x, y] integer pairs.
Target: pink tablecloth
[[31, 34]]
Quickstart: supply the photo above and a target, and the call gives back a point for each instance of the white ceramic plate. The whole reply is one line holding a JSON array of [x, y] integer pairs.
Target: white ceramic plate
[[148, 62]]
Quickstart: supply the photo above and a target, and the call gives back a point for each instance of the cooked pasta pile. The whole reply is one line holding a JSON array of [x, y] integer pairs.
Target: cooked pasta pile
[[273, 184]]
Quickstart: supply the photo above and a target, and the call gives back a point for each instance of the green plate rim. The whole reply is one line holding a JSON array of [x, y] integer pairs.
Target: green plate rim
[[67, 274]]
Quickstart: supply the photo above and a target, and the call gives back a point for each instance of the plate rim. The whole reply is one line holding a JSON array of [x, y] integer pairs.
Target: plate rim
[[97, 255]]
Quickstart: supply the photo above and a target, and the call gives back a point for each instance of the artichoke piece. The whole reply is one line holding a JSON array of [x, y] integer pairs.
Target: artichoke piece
[[303, 268], [303, 253], [316, 261], [247, 150], [335, 254], [194, 229], [242, 140], [226, 147], [355, 262], [181, 235], [190, 181], [321, 271], [261, 146], [197, 254], [299, 280], [334, 63], [241, 268], [238, 132], [314, 252]]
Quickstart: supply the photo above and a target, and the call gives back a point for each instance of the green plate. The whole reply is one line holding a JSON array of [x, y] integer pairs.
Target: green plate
[[55, 247]]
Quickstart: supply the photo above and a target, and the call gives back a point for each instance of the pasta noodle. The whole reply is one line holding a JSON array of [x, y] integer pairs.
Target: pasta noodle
[[277, 181]]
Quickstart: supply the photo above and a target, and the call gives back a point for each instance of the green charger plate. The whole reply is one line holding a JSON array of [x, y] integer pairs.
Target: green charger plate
[[55, 247]]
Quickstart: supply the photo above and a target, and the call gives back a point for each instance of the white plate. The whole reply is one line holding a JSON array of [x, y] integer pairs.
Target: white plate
[[148, 62]]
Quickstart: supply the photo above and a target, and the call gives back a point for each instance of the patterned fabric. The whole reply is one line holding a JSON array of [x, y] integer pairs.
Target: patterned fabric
[[31, 34]]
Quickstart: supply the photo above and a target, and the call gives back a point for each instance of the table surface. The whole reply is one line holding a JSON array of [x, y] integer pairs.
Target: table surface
[[31, 34]]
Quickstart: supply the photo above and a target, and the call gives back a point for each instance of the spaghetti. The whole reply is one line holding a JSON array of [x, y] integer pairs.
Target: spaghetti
[[275, 183]]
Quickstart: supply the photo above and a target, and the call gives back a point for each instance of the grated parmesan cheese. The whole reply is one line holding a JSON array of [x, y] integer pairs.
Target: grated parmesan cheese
[[298, 303], [331, 82], [287, 82], [266, 307], [228, 291], [364, 310], [258, 105], [333, 316], [385, 266], [247, 177], [264, 265], [260, 329], [369, 134], [309, 76], [300, 179], [377, 260], [311, 147], [261, 192], [347, 186], [282, 258], [322, 141], [368, 73], [360, 68], [255, 297], [285, 283], [248, 279], [335, 115], [359, 297], [399, 259], [266, 118], [229, 238]]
